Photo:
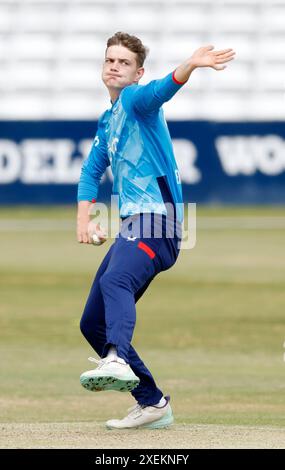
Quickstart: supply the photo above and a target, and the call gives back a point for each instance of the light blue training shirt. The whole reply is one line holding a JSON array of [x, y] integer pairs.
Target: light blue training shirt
[[133, 138]]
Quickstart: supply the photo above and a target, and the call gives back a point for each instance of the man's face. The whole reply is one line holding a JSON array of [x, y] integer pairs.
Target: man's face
[[120, 68]]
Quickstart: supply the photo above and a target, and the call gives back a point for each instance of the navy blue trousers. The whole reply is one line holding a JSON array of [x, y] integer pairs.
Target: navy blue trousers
[[145, 246]]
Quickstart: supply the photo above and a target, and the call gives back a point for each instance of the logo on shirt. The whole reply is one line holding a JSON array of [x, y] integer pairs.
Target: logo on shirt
[[112, 147], [96, 141]]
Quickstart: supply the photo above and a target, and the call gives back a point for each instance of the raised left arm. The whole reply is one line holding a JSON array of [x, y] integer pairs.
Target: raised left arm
[[148, 98]]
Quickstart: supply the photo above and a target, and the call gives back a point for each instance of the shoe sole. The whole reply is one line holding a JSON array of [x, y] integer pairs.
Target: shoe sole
[[99, 384], [162, 423]]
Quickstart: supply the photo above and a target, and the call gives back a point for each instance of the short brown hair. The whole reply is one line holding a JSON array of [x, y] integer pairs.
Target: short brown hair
[[132, 43]]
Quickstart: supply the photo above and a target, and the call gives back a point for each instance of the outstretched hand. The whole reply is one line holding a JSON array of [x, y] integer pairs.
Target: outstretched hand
[[206, 57]]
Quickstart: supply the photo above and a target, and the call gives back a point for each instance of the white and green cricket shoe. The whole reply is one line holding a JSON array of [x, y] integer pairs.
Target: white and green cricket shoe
[[111, 374], [145, 417]]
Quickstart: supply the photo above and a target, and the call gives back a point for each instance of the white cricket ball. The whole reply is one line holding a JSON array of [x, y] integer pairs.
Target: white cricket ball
[[96, 239]]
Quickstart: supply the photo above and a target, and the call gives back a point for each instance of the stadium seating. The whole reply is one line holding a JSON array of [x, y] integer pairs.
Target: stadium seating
[[51, 53]]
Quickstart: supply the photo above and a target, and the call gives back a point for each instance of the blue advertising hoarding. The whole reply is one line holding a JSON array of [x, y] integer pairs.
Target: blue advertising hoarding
[[219, 162]]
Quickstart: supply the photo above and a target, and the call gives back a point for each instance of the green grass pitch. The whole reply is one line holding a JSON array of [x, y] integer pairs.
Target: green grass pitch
[[211, 329]]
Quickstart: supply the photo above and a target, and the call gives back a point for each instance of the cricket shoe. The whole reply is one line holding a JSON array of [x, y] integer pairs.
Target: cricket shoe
[[145, 417], [111, 374]]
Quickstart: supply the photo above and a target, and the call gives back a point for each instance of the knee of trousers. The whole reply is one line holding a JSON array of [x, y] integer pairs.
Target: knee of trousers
[[113, 280]]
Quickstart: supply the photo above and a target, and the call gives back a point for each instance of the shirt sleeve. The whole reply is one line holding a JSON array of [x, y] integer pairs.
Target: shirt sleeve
[[93, 167], [146, 99]]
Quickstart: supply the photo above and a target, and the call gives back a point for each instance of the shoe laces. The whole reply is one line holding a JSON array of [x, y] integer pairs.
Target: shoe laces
[[100, 362], [135, 410]]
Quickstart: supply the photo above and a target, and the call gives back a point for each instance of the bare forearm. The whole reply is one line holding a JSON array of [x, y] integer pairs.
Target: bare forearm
[[183, 71], [83, 209], [83, 219]]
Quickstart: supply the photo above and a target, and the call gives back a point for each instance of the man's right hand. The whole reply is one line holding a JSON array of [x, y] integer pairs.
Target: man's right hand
[[83, 220], [86, 228]]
